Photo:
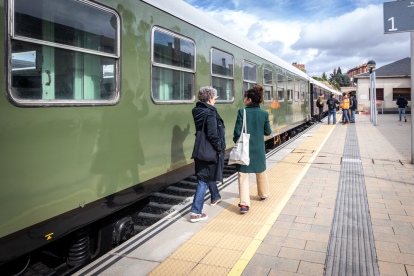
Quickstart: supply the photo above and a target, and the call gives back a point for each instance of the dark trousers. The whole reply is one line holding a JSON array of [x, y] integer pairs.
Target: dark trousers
[[320, 113], [346, 116]]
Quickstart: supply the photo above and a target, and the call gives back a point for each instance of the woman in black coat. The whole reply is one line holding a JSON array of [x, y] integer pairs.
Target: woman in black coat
[[208, 173]]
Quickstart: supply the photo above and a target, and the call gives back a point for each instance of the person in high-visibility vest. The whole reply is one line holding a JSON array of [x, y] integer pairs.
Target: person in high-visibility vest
[[319, 104], [345, 108]]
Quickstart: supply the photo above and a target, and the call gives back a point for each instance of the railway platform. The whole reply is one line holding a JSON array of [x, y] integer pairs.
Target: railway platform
[[341, 203]]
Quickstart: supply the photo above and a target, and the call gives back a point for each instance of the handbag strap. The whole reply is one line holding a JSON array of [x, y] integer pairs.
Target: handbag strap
[[244, 127], [205, 117]]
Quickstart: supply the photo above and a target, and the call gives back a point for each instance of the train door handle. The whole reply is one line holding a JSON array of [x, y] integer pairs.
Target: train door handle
[[50, 77]]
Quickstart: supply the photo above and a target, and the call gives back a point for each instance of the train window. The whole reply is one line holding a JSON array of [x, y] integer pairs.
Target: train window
[[173, 67], [302, 91], [268, 84], [280, 88], [249, 75], [289, 89], [296, 90], [64, 52], [222, 75]]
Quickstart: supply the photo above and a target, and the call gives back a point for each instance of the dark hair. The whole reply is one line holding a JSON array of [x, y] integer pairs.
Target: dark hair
[[255, 94]]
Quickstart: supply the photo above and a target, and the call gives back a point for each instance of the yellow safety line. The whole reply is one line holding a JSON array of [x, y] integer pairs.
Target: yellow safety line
[[251, 249]]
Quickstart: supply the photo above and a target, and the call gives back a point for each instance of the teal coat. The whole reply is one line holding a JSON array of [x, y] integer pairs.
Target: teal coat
[[257, 126]]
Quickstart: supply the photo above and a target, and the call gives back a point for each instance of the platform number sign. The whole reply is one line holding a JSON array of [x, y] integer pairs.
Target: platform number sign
[[398, 16]]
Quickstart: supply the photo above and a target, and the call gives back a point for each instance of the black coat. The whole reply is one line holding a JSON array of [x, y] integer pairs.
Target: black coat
[[319, 103], [402, 102], [214, 129], [354, 104]]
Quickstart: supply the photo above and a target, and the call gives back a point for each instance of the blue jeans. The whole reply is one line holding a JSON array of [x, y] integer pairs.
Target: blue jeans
[[201, 190], [345, 111], [401, 110], [353, 115], [333, 113]]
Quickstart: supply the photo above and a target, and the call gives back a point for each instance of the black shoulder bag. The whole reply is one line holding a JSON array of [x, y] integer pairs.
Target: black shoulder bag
[[203, 150]]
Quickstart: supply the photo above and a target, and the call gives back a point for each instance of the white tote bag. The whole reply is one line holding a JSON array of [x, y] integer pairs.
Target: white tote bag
[[240, 153]]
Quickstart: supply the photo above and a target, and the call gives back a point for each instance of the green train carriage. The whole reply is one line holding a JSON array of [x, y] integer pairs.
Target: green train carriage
[[97, 101]]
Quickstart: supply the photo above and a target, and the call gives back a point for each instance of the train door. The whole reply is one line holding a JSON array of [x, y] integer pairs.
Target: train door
[[296, 96], [303, 106], [311, 97], [289, 104]]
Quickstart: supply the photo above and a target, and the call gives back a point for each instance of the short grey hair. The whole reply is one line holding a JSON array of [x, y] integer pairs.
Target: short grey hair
[[206, 93]]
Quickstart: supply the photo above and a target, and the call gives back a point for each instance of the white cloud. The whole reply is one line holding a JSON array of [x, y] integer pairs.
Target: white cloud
[[257, 29], [348, 40], [352, 39]]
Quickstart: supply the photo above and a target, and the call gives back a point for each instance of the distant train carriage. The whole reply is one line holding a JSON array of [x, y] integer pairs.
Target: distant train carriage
[[96, 113], [318, 89]]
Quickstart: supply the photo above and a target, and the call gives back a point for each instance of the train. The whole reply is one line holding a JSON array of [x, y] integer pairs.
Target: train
[[318, 89], [95, 114]]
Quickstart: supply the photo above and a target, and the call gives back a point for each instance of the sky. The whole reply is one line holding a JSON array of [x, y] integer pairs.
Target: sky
[[323, 35]]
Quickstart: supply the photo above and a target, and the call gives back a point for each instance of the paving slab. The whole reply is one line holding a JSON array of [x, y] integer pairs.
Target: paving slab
[[159, 243], [297, 242]]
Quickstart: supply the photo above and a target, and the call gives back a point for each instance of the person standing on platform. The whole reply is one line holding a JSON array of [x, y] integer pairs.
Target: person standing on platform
[[332, 104], [343, 116], [402, 103], [345, 108], [206, 115], [353, 108], [319, 104], [350, 106], [258, 126]]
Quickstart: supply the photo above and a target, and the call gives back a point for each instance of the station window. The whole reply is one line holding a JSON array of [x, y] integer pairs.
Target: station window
[[289, 89], [280, 88], [302, 91], [249, 75], [222, 75], [61, 57], [268, 84], [296, 90], [173, 67], [406, 92]]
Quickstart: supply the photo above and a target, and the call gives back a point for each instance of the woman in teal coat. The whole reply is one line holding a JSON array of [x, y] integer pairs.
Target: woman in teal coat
[[257, 126]]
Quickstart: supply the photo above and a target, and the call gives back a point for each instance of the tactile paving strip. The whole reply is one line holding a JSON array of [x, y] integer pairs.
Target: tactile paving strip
[[221, 243], [351, 248]]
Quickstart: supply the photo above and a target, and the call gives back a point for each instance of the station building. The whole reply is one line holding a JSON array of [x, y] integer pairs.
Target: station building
[[391, 80]]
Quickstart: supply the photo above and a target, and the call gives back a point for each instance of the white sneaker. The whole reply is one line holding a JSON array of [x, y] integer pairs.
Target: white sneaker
[[198, 217]]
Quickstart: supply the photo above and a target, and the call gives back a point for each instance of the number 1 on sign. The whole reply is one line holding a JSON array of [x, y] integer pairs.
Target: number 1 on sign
[[392, 25]]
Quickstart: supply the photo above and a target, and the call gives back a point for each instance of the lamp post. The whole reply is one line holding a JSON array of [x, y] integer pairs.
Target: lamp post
[[373, 93]]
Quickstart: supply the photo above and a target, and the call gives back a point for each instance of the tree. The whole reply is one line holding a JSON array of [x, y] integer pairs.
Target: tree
[[316, 78], [333, 75], [339, 70], [342, 79], [347, 80], [324, 76]]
